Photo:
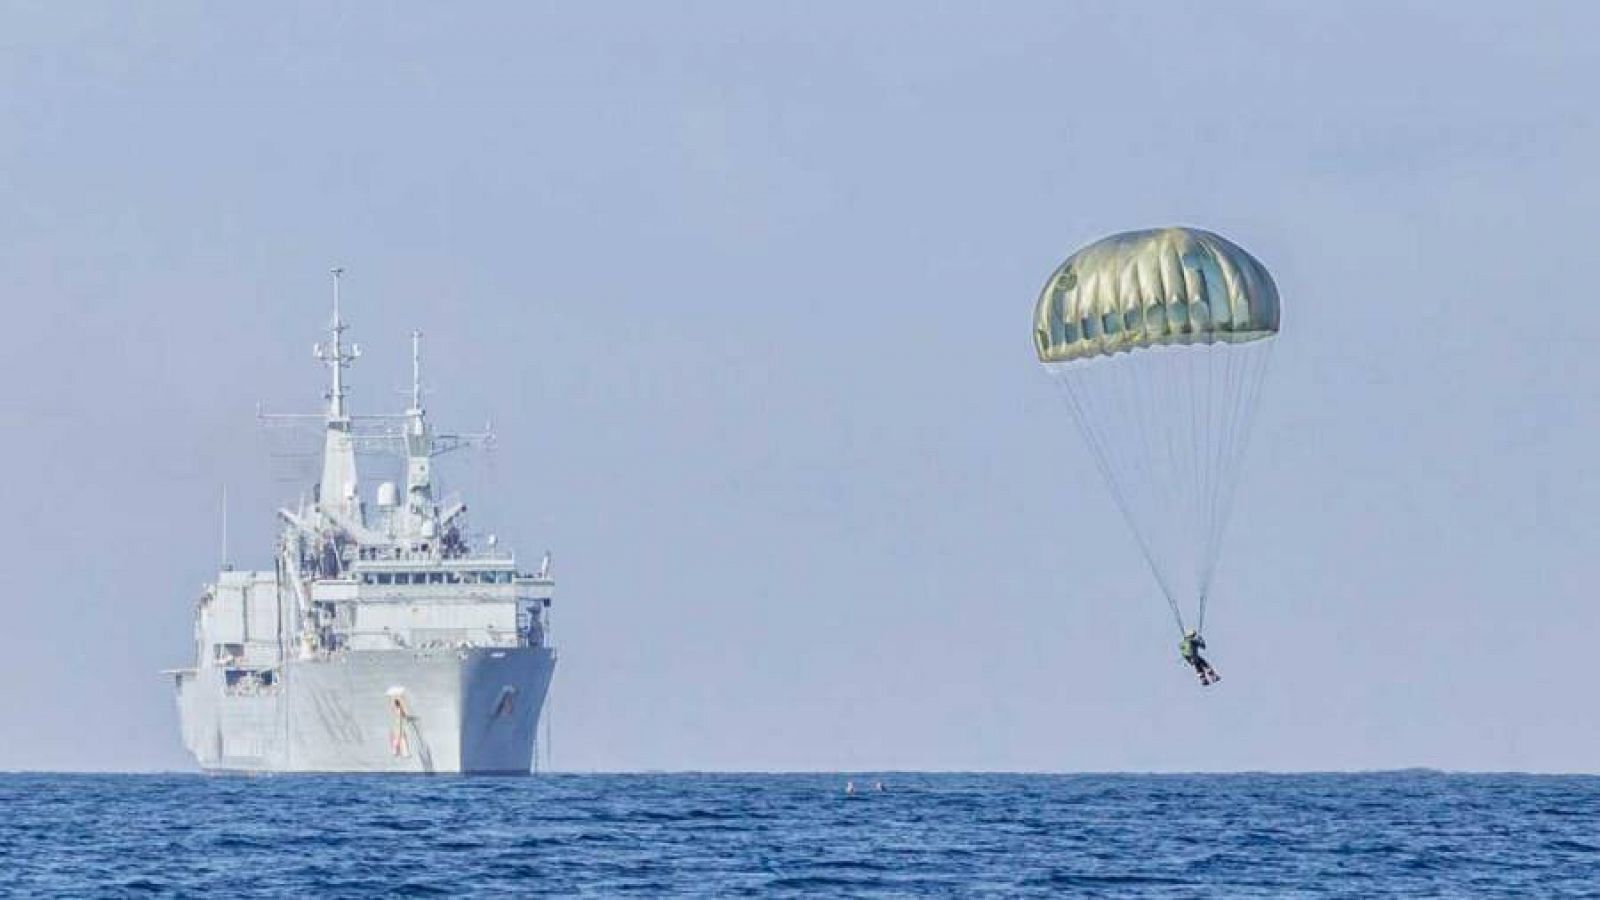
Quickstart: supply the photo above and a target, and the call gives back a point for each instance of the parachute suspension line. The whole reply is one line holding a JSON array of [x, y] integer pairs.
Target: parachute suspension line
[[1183, 377], [1245, 390], [1258, 360], [1209, 465], [1216, 459], [1196, 375], [1167, 427], [1084, 412], [1125, 403], [1201, 365], [1191, 379], [1137, 392], [1141, 393]]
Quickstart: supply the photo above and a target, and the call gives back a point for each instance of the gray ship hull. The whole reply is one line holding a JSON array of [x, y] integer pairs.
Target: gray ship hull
[[470, 711]]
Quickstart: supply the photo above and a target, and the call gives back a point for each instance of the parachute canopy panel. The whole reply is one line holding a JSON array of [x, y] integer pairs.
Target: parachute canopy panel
[[1153, 288]]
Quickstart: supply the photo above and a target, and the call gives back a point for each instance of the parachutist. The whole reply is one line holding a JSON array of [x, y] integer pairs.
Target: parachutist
[[1190, 648]]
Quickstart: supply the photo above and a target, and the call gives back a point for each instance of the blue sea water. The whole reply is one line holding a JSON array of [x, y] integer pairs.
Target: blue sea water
[[1413, 834]]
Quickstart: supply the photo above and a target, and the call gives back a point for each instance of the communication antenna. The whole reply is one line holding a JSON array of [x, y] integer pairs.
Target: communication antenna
[[416, 371], [226, 565]]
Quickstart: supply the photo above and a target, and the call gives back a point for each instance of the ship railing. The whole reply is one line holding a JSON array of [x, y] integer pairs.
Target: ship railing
[[430, 638]]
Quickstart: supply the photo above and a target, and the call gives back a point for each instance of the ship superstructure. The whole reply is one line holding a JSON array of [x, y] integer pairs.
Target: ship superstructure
[[383, 639]]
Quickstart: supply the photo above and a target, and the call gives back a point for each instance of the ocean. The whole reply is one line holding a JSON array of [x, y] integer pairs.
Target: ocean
[[1411, 834]]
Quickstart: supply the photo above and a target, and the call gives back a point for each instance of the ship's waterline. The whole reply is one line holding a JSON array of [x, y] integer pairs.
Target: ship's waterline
[[383, 639]]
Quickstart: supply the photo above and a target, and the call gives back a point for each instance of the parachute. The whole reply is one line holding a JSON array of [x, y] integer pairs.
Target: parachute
[[1160, 340]]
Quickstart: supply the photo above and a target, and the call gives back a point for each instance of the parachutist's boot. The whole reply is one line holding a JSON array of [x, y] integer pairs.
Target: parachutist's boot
[[1214, 677]]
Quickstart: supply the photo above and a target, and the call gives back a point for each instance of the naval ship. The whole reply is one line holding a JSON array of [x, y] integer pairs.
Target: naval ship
[[381, 639]]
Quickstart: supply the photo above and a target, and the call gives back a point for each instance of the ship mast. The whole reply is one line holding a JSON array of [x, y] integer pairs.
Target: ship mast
[[339, 497], [419, 451], [416, 373]]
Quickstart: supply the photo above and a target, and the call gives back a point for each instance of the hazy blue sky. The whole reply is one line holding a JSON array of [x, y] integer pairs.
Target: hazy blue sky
[[747, 288]]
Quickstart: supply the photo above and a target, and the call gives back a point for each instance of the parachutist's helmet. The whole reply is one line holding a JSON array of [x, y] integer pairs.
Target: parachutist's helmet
[[1191, 633]]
